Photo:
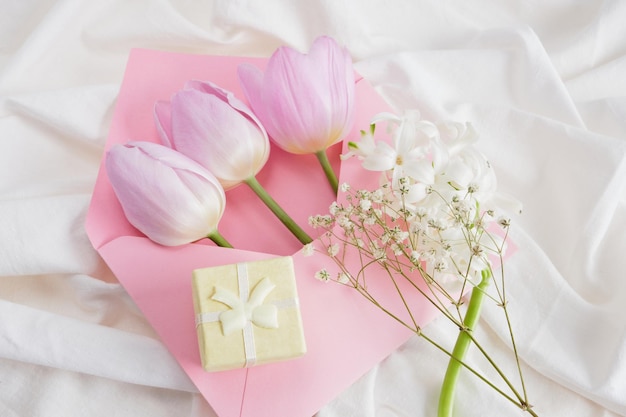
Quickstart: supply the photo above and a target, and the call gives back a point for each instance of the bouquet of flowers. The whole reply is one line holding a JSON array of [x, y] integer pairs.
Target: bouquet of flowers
[[435, 225]]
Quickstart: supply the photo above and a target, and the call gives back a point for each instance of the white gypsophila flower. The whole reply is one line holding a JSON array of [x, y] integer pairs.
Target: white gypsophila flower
[[378, 195], [322, 275], [379, 254], [333, 249], [345, 223], [308, 249], [440, 264], [343, 278], [369, 220], [318, 220], [504, 221], [377, 251], [397, 249]]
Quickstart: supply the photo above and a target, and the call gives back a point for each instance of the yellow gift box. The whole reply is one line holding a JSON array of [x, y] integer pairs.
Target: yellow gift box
[[247, 314]]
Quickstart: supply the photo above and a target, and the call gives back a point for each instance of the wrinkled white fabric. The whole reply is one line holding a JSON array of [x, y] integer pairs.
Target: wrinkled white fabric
[[542, 83]]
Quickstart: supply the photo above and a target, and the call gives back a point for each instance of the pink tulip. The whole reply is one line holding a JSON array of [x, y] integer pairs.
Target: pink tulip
[[168, 197], [305, 101], [213, 127]]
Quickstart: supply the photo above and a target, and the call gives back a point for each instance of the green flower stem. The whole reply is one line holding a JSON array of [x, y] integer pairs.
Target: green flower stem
[[219, 240], [328, 170], [446, 397], [278, 211]]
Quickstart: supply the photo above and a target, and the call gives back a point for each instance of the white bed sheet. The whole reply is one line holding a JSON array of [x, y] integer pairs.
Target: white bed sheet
[[544, 84]]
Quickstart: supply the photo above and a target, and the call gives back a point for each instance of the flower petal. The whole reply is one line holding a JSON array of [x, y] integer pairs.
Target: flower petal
[[420, 171], [162, 119], [251, 81], [383, 159], [227, 97]]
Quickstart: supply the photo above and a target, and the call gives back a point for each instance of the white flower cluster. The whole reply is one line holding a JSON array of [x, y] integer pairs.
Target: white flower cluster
[[433, 210], [432, 228]]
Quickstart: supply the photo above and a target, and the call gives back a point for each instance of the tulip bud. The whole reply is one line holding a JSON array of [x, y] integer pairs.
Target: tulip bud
[[168, 197], [214, 128], [305, 101]]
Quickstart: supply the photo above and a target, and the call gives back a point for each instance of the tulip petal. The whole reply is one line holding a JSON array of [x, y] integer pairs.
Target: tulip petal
[[251, 81], [291, 96], [340, 81], [227, 97], [162, 116]]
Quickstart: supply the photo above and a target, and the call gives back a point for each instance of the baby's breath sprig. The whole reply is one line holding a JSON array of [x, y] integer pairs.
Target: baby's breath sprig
[[432, 227]]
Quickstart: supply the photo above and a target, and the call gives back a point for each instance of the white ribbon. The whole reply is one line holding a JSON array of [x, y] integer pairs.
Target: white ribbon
[[246, 309]]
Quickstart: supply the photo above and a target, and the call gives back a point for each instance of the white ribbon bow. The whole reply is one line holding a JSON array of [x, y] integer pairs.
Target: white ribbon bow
[[251, 310]]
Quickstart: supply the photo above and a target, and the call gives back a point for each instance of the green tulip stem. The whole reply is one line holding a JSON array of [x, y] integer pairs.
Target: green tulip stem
[[446, 397], [219, 240], [328, 170], [278, 211]]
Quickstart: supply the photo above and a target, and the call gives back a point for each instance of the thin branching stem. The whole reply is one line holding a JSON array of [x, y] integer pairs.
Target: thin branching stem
[[429, 252]]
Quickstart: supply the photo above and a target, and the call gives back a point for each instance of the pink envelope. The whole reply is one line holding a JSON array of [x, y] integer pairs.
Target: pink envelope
[[345, 334]]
